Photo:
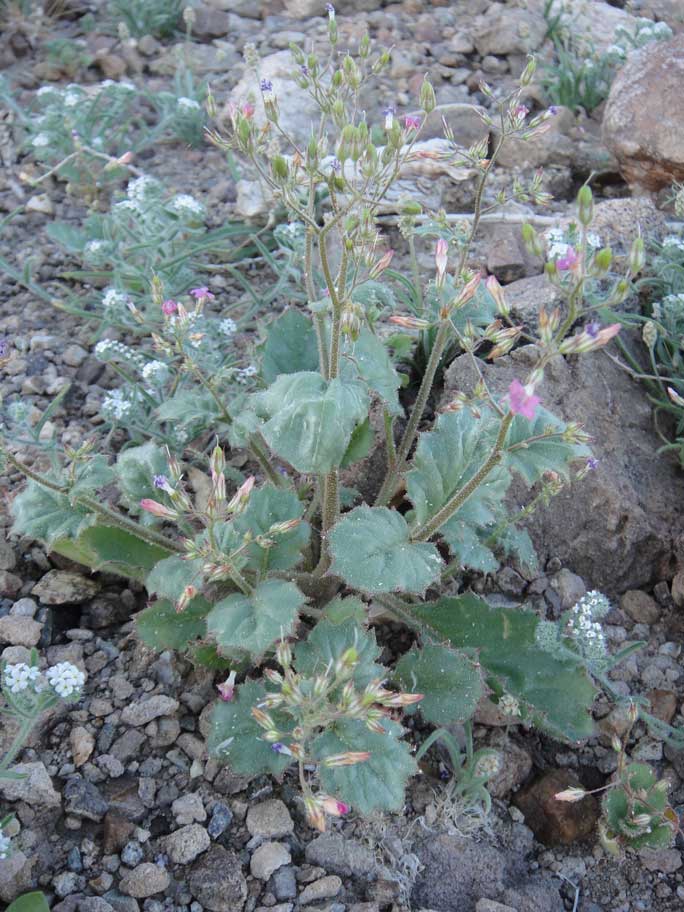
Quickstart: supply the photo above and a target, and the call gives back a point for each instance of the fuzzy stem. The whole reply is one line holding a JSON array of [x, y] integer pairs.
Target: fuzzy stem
[[18, 742], [428, 529]]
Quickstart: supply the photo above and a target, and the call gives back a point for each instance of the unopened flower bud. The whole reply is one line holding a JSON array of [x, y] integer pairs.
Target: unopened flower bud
[[187, 595], [571, 794], [616, 744], [262, 719], [585, 205], [349, 758], [531, 240], [603, 259], [637, 256], [649, 333], [410, 322], [314, 813], [675, 397], [428, 101], [641, 820], [333, 807], [378, 268], [157, 509], [496, 291], [227, 688], [529, 71], [239, 500], [284, 654]]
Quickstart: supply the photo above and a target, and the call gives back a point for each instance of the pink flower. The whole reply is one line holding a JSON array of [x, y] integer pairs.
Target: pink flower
[[169, 308], [441, 253], [227, 688], [247, 109], [412, 122], [568, 260], [334, 807], [157, 509], [521, 399], [202, 292]]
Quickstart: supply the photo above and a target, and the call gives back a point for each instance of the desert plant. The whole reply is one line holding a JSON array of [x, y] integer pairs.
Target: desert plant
[[160, 18], [277, 577]]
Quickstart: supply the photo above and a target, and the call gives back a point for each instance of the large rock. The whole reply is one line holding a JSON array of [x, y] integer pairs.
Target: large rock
[[617, 528], [505, 29], [592, 21], [643, 122], [35, 789], [217, 881], [62, 587]]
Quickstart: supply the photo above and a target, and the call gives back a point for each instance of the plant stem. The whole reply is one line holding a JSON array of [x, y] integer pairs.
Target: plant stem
[[428, 529], [19, 739], [261, 457]]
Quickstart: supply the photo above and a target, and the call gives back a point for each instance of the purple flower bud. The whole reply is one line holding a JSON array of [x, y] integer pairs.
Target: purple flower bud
[[160, 481], [330, 9], [553, 110], [593, 328], [281, 748], [304, 70], [266, 85], [202, 292]]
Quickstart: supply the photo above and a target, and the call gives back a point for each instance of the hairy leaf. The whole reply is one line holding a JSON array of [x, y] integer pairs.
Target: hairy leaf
[[375, 784], [91, 476], [329, 640], [538, 456], [368, 359], [449, 679], [161, 627], [235, 737], [112, 549], [360, 445], [266, 506], [371, 551], [557, 691], [169, 577], [46, 515], [290, 346], [135, 469], [254, 622], [311, 420]]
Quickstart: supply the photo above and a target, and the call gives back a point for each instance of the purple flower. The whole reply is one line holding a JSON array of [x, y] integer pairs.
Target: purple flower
[[202, 292], [553, 110], [593, 328], [568, 260], [330, 9], [389, 116], [266, 85], [592, 463], [161, 482], [304, 70], [411, 122], [335, 165], [280, 748], [521, 400], [226, 689]]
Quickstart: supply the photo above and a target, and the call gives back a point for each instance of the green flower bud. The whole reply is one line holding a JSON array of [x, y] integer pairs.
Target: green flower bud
[[585, 205], [531, 240], [412, 207], [280, 170], [603, 259], [364, 46], [529, 71], [297, 53], [428, 102], [637, 256], [337, 79]]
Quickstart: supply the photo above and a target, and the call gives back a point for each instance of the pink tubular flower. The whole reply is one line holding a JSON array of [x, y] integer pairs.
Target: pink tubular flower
[[202, 293], [568, 260], [247, 109], [157, 509], [412, 122], [521, 399], [169, 308], [441, 253], [227, 688]]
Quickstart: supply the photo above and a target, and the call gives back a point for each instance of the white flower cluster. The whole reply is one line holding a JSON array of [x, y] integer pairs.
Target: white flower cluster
[[142, 188], [47, 90], [65, 679], [21, 676], [73, 97], [227, 327], [188, 104], [674, 241], [155, 372], [114, 299], [558, 244], [109, 350], [40, 141], [124, 86], [5, 846], [584, 623], [184, 204], [116, 405], [671, 305], [244, 374]]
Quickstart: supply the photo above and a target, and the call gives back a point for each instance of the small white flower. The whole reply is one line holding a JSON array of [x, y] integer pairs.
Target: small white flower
[[20, 676], [40, 140], [5, 846], [47, 90], [141, 188], [65, 679], [188, 104], [155, 372], [227, 327], [116, 405], [183, 202], [71, 99], [113, 298], [593, 239]]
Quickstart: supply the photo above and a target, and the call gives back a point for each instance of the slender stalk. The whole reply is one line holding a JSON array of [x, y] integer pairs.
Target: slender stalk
[[18, 742], [261, 456], [415, 271], [389, 442], [428, 529]]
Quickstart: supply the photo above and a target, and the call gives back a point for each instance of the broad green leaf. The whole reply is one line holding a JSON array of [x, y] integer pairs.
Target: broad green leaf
[[206, 655], [517, 543], [91, 476], [450, 681], [446, 459], [47, 516], [290, 346], [311, 420], [368, 359], [374, 294], [371, 551], [29, 902], [135, 469], [114, 550], [551, 454], [254, 622], [169, 578], [236, 739], [376, 784], [360, 445], [266, 506], [341, 609], [558, 691], [190, 408], [161, 627], [329, 640]]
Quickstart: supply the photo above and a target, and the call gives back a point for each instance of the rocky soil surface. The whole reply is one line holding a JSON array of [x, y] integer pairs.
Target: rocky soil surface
[[122, 809]]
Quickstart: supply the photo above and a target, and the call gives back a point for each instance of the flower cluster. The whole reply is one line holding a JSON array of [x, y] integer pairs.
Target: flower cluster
[[583, 623], [21, 676], [64, 679]]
